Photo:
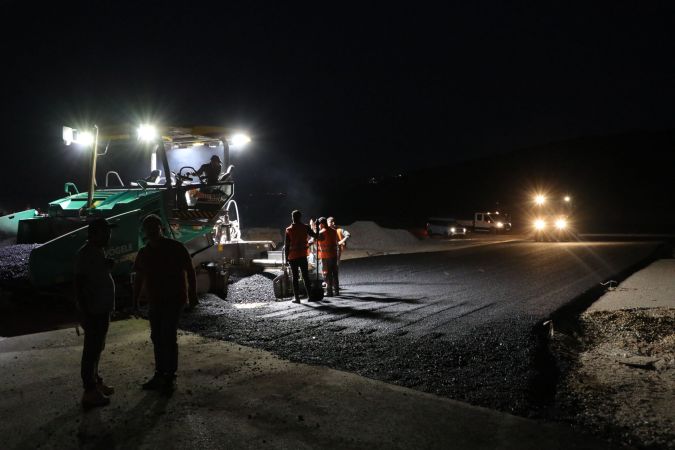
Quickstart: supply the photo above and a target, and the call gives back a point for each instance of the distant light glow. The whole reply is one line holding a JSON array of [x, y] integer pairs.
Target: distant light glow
[[500, 225], [568, 198], [147, 133], [240, 140], [539, 199], [539, 224], [561, 224], [453, 229]]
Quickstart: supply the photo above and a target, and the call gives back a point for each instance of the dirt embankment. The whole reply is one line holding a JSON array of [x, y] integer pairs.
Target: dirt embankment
[[619, 376]]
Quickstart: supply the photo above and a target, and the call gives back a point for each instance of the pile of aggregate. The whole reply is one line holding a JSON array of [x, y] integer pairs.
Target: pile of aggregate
[[14, 263], [619, 377], [253, 289], [370, 236]]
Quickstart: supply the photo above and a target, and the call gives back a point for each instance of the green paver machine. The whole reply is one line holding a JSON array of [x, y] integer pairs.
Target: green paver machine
[[197, 210]]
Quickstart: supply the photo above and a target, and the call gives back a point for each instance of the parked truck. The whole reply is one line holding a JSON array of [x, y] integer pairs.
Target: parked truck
[[494, 222]]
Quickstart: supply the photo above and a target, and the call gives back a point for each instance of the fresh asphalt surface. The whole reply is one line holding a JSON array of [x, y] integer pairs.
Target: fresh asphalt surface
[[457, 323]]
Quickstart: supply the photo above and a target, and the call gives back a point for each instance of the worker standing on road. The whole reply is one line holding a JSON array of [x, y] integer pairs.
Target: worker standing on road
[[296, 250], [95, 297], [343, 235], [328, 254], [164, 268]]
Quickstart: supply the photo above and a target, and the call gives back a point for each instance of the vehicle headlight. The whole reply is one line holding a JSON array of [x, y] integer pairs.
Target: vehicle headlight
[[500, 225], [463, 230], [539, 224], [452, 230], [561, 224]]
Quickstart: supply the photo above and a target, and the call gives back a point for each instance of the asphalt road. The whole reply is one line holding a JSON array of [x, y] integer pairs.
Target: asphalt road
[[457, 323]]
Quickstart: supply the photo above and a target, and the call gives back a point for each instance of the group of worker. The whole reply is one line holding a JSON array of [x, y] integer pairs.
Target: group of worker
[[329, 242], [164, 272]]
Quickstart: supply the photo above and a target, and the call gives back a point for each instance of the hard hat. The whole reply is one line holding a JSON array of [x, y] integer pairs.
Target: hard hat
[[215, 158]]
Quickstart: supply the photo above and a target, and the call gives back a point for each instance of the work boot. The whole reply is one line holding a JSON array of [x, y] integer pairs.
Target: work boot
[[168, 385], [296, 300], [329, 293], [154, 384], [337, 292], [105, 389], [93, 398]]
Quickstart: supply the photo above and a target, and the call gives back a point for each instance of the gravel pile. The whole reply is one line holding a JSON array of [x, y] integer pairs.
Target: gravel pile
[[371, 236], [253, 289], [620, 378], [14, 263]]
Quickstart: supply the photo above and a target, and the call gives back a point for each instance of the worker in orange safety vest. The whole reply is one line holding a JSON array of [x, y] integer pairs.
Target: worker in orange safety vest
[[328, 254], [343, 235], [296, 250]]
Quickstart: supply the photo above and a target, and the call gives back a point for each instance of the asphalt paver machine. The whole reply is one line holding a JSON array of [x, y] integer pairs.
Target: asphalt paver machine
[[163, 179]]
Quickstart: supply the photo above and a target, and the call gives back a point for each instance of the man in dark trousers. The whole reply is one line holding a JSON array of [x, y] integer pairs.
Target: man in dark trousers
[[164, 268], [296, 249], [328, 246], [95, 297]]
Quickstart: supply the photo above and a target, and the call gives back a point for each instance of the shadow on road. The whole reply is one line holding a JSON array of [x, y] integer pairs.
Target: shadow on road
[[377, 297], [351, 312]]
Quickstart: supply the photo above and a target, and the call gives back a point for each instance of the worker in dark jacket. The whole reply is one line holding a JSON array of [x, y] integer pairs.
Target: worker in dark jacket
[[164, 268], [95, 296], [296, 250], [211, 170]]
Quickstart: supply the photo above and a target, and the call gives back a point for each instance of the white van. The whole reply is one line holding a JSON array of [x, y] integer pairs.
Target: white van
[[445, 226]]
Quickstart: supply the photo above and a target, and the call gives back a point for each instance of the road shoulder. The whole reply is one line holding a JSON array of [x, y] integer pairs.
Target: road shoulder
[[619, 364]]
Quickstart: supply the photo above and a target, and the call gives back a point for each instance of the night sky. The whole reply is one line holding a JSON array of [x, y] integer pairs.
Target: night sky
[[336, 89]]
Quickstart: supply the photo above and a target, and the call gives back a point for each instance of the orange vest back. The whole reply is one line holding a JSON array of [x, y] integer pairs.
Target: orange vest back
[[340, 236], [297, 234], [328, 246]]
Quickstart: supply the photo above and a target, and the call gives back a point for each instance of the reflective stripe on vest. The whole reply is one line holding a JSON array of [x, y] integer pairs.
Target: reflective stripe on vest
[[297, 234], [328, 246]]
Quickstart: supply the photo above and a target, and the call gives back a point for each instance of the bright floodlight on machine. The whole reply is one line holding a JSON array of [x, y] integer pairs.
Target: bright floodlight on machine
[[74, 136], [239, 140], [539, 199], [567, 199], [147, 133], [85, 138]]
